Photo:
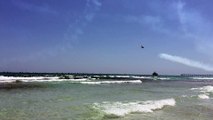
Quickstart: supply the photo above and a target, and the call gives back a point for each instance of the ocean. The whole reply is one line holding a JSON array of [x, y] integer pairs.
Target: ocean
[[51, 98]]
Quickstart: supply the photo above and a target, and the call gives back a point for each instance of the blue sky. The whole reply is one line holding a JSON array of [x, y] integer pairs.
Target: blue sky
[[104, 36]]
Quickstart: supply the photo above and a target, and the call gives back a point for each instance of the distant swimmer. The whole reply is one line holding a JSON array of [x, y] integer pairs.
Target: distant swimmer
[[142, 46]]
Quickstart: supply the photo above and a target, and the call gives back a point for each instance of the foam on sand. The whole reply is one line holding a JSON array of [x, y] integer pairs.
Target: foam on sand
[[123, 108]]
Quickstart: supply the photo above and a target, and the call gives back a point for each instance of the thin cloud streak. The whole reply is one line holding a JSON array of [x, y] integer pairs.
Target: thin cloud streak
[[186, 61], [196, 27], [35, 8], [71, 37]]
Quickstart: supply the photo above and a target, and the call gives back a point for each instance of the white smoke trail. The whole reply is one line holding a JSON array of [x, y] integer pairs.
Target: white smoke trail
[[186, 61]]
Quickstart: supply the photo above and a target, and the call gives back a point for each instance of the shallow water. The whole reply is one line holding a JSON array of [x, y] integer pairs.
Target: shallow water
[[68, 100]]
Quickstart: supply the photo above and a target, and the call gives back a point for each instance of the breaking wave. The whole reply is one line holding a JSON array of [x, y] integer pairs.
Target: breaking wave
[[111, 82], [4, 79], [202, 78], [124, 108], [203, 96], [205, 90], [141, 77]]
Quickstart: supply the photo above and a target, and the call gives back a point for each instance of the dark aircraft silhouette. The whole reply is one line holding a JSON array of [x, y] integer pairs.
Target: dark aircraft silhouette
[[142, 46]]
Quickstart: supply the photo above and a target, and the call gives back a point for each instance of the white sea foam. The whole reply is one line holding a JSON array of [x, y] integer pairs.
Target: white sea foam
[[78, 80], [141, 77], [123, 108], [122, 76], [202, 78], [4, 79], [148, 77], [164, 78], [204, 89], [55, 80], [203, 96], [111, 82], [183, 95], [25, 78]]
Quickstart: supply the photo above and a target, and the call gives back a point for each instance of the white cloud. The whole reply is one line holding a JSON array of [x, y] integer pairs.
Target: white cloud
[[97, 2], [89, 16], [71, 36], [186, 61], [155, 23], [44, 8], [195, 27], [192, 22]]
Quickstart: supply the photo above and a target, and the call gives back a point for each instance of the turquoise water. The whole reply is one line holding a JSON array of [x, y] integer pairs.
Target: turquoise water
[[64, 100]]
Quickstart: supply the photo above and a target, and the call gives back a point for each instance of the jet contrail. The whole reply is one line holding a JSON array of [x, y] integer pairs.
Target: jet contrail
[[186, 61]]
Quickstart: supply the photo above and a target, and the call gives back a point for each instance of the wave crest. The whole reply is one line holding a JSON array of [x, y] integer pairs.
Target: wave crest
[[111, 82], [123, 108], [5, 79], [204, 89]]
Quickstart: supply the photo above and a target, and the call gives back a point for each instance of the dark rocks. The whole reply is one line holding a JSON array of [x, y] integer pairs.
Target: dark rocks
[[154, 74]]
